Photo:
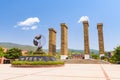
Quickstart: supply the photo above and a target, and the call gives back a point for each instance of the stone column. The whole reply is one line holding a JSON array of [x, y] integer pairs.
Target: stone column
[[52, 41], [86, 40], [100, 39], [64, 41]]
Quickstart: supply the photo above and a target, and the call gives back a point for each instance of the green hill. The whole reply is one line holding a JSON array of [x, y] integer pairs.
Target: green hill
[[28, 47], [13, 45]]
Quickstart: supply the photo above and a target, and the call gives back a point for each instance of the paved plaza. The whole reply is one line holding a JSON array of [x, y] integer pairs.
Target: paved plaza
[[67, 72]]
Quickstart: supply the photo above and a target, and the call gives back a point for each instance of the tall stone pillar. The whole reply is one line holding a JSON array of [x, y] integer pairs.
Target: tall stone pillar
[[100, 39], [52, 41], [64, 41], [86, 40]]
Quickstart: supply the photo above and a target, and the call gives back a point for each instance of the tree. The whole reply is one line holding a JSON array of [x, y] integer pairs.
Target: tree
[[13, 53], [116, 56], [94, 56], [1, 52], [117, 53]]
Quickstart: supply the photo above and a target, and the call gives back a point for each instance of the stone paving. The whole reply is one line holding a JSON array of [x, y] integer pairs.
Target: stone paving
[[67, 72]]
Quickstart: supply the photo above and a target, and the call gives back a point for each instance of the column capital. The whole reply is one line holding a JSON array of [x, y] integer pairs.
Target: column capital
[[85, 22], [63, 24], [52, 29], [99, 25]]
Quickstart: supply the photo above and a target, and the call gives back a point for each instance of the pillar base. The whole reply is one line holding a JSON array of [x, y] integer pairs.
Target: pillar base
[[86, 56], [63, 57], [101, 55]]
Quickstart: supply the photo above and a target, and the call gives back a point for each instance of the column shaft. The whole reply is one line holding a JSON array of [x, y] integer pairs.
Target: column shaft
[[52, 41], [86, 38], [64, 39], [100, 38]]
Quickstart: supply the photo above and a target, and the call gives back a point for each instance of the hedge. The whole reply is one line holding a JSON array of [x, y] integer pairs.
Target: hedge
[[37, 63]]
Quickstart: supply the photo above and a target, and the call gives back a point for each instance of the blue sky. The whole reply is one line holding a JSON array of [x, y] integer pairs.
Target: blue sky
[[50, 13]]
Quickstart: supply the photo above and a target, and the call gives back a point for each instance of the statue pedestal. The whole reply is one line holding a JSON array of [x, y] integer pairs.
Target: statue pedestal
[[86, 56], [63, 57], [39, 51], [101, 55]]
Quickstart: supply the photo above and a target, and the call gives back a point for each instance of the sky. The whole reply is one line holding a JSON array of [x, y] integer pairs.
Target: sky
[[22, 20]]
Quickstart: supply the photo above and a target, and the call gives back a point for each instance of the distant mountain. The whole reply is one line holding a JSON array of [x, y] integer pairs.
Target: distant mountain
[[14, 45], [76, 51], [28, 47], [94, 51], [82, 51]]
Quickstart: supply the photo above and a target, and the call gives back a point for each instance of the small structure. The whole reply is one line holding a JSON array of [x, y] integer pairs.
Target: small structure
[[77, 56], [24, 52]]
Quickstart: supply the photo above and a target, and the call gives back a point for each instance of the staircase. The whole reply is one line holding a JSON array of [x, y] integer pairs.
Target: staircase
[[85, 61]]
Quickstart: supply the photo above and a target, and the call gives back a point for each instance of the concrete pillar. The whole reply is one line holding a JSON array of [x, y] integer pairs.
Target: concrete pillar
[[100, 39], [64, 41], [86, 40], [52, 41]]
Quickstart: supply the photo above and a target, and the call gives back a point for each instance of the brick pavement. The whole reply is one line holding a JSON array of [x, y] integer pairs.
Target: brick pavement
[[67, 72]]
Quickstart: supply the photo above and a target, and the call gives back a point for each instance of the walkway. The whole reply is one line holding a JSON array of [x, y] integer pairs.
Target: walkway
[[68, 72]]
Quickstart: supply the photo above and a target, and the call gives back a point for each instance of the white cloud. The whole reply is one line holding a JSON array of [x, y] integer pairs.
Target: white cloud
[[25, 28], [29, 22], [34, 27], [83, 18]]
